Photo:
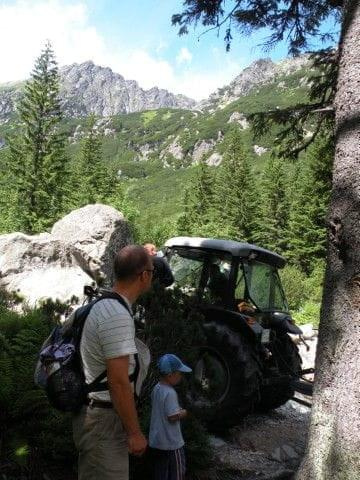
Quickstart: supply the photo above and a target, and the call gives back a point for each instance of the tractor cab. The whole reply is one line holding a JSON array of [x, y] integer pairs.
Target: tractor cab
[[231, 275]]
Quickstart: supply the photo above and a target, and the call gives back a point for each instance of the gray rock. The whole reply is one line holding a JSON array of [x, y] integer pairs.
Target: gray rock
[[260, 72], [237, 117], [259, 150], [39, 267], [201, 148], [284, 453], [57, 265], [214, 160], [174, 148], [94, 234], [87, 88]]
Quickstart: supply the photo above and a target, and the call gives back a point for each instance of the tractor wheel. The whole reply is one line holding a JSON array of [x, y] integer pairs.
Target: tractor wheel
[[286, 356], [226, 378]]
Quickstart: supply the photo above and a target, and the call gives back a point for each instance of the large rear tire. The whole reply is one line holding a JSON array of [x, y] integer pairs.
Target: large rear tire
[[285, 356], [226, 380]]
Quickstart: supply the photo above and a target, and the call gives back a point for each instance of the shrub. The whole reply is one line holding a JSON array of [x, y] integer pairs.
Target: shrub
[[293, 281]]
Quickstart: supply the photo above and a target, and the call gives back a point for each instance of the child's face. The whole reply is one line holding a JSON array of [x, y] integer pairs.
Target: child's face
[[174, 378]]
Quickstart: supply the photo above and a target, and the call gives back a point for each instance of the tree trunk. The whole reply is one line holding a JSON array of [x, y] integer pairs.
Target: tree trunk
[[334, 438]]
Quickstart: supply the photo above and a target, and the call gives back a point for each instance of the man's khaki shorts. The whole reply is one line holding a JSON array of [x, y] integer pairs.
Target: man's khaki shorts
[[101, 441]]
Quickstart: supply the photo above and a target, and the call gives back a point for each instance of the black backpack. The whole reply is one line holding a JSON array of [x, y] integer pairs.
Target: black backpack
[[59, 369]]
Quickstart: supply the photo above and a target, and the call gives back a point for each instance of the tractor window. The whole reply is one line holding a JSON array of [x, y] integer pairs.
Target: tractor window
[[264, 287], [240, 289], [187, 271]]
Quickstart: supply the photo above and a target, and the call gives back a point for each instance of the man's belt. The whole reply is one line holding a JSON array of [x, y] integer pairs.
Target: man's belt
[[98, 404]]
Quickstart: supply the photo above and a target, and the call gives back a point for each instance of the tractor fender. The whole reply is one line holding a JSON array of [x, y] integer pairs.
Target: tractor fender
[[283, 323], [235, 321]]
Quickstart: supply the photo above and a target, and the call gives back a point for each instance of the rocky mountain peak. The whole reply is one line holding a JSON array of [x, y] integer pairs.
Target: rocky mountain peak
[[88, 88], [260, 72]]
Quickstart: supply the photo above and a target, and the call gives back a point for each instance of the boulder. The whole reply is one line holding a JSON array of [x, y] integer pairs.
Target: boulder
[[57, 265]]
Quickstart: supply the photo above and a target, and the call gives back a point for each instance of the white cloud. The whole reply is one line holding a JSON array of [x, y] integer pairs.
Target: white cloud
[[27, 24], [184, 56]]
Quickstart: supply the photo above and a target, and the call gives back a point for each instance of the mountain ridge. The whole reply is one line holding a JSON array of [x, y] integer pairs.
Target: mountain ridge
[[87, 88]]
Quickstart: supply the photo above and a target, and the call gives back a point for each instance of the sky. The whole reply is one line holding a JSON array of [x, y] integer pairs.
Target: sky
[[132, 37]]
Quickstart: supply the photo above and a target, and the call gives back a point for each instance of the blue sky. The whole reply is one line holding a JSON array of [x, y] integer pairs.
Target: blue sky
[[134, 38]]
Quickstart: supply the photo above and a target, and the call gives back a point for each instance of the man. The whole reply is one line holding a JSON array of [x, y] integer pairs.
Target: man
[[108, 428], [162, 271]]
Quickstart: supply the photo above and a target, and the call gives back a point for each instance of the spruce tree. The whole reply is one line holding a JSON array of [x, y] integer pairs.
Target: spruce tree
[[307, 228], [235, 192], [91, 180], [273, 211], [198, 215], [36, 163]]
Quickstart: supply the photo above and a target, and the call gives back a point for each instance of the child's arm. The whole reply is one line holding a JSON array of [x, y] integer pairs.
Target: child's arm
[[177, 416]]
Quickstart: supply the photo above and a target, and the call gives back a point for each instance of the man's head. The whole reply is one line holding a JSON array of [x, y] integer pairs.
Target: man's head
[[151, 249], [133, 271]]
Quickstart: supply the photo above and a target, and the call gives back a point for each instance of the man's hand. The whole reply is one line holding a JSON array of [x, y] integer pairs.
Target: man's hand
[[122, 397], [137, 443]]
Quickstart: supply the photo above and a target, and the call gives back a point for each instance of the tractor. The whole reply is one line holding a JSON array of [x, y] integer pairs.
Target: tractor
[[248, 362]]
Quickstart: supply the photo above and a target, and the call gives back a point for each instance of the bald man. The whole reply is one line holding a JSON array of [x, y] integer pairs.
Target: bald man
[[107, 429]]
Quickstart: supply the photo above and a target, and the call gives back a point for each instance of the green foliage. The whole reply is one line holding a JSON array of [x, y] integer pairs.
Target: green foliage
[[36, 163], [90, 175], [32, 435], [272, 214], [198, 201], [311, 191], [293, 281], [235, 192], [304, 292], [156, 233], [308, 313]]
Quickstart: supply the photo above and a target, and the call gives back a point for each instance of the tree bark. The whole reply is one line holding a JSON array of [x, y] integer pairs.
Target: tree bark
[[334, 438]]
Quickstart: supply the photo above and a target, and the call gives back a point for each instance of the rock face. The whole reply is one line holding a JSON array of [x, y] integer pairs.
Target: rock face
[[87, 88], [260, 72], [57, 265]]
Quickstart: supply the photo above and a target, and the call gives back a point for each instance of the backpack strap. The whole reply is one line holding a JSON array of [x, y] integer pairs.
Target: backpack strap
[[97, 385]]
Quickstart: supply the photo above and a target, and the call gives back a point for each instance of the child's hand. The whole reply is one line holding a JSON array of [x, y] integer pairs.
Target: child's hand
[[178, 416], [183, 413]]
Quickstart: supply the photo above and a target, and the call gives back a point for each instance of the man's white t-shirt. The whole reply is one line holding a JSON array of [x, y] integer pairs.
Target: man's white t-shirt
[[109, 332]]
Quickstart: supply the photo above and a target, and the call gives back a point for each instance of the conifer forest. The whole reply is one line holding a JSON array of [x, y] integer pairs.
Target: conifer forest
[[276, 165]]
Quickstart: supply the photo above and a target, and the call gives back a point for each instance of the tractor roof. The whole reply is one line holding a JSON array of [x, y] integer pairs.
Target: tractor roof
[[236, 249]]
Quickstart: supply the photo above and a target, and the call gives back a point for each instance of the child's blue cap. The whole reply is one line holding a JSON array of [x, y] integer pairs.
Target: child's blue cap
[[170, 363]]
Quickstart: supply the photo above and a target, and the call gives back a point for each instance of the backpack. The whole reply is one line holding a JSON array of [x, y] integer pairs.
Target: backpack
[[59, 368]]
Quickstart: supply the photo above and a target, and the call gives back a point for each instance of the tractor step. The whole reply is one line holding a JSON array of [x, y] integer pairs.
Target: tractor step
[[302, 387], [301, 401]]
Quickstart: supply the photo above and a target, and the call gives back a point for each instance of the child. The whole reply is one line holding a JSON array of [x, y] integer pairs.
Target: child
[[165, 436]]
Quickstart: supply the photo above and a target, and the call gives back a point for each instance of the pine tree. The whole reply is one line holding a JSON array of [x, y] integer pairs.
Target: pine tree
[[235, 192], [307, 229], [91, 179], [198, 210], [36, 162], [273, 211]]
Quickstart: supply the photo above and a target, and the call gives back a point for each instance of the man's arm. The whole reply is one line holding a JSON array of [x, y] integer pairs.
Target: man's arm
[[123, 400]]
